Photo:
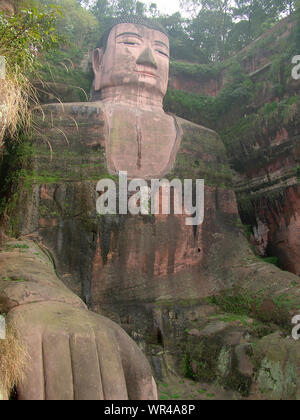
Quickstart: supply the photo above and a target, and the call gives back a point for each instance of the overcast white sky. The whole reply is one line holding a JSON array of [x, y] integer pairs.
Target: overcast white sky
[[166, 6]]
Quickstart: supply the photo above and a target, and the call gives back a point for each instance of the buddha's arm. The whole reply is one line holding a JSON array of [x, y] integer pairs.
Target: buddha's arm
[[27, 276]]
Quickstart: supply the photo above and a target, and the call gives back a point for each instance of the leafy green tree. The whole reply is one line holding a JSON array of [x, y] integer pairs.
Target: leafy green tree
[[26, 34], [153, 10], [222, 27], [76, 24], [210, 26], [106, 10], [239, 37], [261, 14], [182, 46]]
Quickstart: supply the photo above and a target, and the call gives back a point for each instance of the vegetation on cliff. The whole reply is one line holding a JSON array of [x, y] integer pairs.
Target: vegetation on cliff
[[23, 37], [256, 110], [248, 105], [210, 32]]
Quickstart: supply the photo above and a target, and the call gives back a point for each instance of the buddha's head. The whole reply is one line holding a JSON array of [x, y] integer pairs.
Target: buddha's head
[[131, 63]]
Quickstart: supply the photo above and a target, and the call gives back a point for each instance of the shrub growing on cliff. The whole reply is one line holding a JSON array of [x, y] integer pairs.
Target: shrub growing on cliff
[[69, 64], [23, 37]]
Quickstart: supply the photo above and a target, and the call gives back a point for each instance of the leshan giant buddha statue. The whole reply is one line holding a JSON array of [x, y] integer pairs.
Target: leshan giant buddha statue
[[125, 128], [131, 66]]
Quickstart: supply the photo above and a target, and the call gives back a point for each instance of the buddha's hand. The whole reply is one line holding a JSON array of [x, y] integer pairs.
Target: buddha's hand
[[78, 355]]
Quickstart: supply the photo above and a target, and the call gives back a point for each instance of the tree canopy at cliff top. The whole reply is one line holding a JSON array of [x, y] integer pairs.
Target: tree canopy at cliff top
[[213, 30], [204, 31]]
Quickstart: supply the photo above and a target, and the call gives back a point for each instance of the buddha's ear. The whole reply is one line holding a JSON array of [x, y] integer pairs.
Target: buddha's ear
[[97, 58]]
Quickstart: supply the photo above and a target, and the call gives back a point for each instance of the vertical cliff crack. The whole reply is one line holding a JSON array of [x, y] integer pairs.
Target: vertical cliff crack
[[139, 142]]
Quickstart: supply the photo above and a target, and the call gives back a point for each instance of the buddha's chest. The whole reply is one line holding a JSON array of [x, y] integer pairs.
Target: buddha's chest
[[143, 143]]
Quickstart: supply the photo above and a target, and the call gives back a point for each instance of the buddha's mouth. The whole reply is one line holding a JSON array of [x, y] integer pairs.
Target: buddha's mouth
[[147, 73]]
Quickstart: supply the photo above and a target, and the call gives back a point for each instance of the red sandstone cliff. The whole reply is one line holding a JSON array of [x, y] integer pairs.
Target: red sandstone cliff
[[262, 139]]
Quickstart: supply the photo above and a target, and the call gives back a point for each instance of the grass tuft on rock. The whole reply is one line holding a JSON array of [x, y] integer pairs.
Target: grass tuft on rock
[[13, 358]]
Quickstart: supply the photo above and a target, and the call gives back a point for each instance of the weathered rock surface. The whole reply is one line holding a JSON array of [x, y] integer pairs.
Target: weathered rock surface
[[225, 356], [279, 371]]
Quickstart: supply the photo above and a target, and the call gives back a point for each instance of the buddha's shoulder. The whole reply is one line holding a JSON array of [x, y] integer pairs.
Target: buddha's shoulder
[[73, 125], [97, 110], [75, 108], [190, 128], [201, 142]]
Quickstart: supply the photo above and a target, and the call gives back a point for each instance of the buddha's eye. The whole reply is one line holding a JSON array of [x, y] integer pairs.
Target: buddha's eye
[[162, 53], [130, 43]]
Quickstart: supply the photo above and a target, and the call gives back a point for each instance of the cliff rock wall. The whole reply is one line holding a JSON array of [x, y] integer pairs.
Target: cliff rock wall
[[196, 300], [258, 117]]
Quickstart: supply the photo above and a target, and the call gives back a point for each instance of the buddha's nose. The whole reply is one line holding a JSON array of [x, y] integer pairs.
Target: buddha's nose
[[147, 59]]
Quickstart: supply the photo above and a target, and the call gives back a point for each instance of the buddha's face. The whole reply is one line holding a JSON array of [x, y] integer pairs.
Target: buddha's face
[[136, 62]]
